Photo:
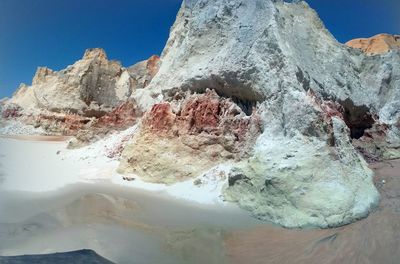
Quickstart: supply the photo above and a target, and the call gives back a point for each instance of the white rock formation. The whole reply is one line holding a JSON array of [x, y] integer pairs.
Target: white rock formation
[[92, 83], [279, 55]]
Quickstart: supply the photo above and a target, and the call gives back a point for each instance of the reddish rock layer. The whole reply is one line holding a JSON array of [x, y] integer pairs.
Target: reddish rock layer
[[220, 120], [63, 124], [11, 111], [378, 44], [153, 65], [123, 116]]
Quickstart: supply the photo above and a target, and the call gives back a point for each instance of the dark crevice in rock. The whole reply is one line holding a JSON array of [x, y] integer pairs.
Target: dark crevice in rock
[[246, 103], [94, 113], [357, 118], [303, 78]]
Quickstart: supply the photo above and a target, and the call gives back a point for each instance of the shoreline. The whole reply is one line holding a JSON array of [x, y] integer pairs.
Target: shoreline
[[38, 138]]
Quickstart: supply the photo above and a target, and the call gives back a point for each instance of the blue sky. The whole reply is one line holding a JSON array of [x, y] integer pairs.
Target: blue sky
[[55, 33]]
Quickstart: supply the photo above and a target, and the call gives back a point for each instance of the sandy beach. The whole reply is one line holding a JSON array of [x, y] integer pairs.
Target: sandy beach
[[53, 192], [48, 192]]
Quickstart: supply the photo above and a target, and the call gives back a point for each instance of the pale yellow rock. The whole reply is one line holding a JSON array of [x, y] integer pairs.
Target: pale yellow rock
[[167, 160]]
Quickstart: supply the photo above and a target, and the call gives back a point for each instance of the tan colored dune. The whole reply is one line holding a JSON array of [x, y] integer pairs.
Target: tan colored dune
[[378, 44]]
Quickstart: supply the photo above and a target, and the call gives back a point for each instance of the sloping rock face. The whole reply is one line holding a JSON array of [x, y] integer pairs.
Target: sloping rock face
[[79, 256], [314, 97], [143, 72], [379, 44]]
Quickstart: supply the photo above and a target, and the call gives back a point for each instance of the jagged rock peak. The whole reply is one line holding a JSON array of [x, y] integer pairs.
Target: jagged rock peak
[[95, 53], [378, 44], [41, 74]]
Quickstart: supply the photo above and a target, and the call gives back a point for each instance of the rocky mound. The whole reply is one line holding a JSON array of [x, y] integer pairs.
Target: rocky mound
[[379, 44]]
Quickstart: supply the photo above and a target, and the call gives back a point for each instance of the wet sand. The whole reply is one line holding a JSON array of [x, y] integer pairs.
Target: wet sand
[[120, 224], [37, 138], [45, 208], [375, 239]]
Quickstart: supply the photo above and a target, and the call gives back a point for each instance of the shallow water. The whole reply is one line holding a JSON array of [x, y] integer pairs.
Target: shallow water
[[119, 223]]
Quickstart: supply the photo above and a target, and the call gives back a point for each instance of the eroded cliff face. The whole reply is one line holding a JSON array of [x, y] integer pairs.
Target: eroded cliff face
[[379, 44], [90, 97], [312, 94]]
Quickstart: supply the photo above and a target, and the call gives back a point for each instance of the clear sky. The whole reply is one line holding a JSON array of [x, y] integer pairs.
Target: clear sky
[[55, 33]]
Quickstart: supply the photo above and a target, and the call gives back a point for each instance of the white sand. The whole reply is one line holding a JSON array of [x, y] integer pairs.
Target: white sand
[[46, 166], [74, 199]]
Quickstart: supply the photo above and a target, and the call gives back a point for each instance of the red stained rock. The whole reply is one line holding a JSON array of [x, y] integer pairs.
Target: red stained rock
[[67, 124], [207, 116], [331, 109], [202, 113], [160, 118], [153, 65], [123, 116], [11, 112], [378, 44]]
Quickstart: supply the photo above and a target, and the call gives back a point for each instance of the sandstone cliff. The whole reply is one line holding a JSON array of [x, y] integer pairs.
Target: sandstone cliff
[[378, 44]]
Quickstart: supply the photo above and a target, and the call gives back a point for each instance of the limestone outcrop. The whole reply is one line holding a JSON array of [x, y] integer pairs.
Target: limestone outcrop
[[379, 44], [92, 80]]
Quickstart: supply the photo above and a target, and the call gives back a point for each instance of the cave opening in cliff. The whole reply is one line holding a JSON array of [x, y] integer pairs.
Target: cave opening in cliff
[[357, 118], [246, 101]]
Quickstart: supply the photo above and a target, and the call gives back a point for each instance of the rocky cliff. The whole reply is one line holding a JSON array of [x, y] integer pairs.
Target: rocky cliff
[[313, 95], [259, 86]]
